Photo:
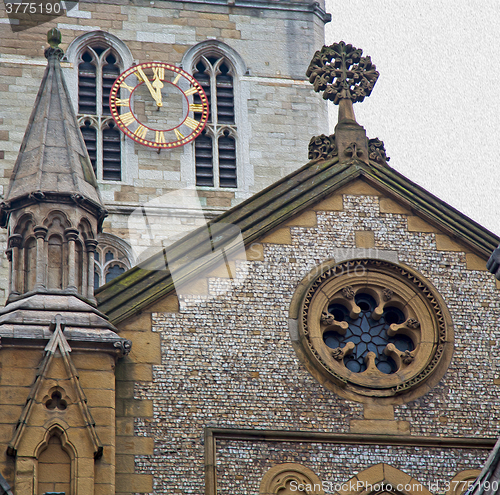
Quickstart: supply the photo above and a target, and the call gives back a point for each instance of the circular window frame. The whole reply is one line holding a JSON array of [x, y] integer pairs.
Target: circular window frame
[[428, 322]]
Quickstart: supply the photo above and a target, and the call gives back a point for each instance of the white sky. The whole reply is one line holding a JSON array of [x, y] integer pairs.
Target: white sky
[[436, 103]]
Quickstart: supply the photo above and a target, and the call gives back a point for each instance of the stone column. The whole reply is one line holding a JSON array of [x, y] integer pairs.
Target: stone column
[[90, 244], [15, 241], [41, 260], [71, 236]]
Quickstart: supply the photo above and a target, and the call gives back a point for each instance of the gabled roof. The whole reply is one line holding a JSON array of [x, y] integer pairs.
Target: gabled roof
[[143, 285], [53, 161]]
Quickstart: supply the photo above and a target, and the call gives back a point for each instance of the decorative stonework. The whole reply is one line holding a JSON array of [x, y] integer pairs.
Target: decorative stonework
[[322, 147], [375, 329], [377, 151], [341, 72], [289, 478]]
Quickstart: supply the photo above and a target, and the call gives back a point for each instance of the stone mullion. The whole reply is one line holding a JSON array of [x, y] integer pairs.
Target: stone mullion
[[71, 236], [41, 259], [90, 245]]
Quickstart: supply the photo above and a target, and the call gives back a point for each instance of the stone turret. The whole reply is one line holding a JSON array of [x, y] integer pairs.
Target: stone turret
[[52, 337], [53, 212], [52, 209]]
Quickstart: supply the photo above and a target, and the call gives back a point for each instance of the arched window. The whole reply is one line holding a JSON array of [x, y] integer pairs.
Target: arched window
[[215, 149], [54, 468], [99, 58], [112, 258]]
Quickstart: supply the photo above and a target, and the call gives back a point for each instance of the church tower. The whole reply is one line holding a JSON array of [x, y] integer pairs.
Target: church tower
[[57, 351]]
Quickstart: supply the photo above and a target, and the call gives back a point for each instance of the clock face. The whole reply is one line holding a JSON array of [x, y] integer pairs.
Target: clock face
[[159, 105]]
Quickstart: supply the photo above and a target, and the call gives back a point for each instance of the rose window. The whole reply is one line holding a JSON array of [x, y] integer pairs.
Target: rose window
[[370, 328], [369, 336]]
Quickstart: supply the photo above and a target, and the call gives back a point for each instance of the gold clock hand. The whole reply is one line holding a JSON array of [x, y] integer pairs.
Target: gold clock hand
[[157, 84], [150, 87]]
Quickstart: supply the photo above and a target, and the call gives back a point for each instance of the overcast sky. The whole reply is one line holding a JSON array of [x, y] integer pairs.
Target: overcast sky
[[436, 103]]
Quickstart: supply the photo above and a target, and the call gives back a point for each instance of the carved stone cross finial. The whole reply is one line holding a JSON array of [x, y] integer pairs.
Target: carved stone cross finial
[[341, 72]]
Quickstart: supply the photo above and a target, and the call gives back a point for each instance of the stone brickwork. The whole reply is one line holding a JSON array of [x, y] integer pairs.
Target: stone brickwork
[[227, 360], [276, 107]]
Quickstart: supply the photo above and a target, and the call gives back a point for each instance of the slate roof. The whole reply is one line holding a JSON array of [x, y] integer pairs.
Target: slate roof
[[142, 285]]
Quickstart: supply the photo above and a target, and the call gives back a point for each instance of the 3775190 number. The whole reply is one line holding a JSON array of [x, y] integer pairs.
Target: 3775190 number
[[33, 8]]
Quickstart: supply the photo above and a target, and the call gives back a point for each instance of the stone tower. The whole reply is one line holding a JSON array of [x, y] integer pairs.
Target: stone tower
[[51, 333]]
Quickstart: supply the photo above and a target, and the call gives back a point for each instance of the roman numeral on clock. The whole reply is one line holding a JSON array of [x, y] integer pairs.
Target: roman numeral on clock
[[195, 107], [141, 131], [191, 123], [191, 91], [124, 85], [123, 102], [178, 135], [127, 118], [159, 137]]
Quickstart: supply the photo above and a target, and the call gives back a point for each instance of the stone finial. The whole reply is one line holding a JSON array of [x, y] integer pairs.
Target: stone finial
[[345, 77], [341, 72], [54, 38]]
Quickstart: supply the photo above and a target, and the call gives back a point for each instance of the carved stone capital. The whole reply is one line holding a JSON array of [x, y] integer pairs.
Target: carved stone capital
[[15, 240], [91, 245], [71, 234], [40, 231]]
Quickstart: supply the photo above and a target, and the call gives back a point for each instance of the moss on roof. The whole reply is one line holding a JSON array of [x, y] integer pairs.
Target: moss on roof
[[143, 285]]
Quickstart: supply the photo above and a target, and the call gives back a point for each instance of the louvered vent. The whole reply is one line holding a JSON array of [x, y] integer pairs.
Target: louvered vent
[[227, 161], [225, 96], [204, 160], [111, 154], [204, 81], [110, 72], [87, 90], [90, 137]]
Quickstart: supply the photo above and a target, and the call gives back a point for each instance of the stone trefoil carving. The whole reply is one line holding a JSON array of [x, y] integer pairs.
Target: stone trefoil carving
[[341, 72]]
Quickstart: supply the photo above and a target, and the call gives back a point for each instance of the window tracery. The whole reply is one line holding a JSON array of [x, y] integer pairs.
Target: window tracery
[[215, 149], [370, 328], [112, 258]]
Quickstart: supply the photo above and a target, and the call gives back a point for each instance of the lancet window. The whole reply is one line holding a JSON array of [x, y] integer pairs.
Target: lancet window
[[215, 148]]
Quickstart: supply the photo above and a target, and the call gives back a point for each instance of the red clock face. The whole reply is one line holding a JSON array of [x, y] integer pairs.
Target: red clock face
[[159, 105]]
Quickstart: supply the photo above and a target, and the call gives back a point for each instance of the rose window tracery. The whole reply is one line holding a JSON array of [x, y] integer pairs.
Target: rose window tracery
[[372, 338], [371, 328]]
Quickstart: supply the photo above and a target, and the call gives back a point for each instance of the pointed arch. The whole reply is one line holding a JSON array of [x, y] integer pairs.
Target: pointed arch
[[219, 157], [385, 479], [98, 58]]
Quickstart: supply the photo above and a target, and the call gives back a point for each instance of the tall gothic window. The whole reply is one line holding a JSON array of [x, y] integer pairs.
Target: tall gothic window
[[215, 148], [112, 258], [98, 67]]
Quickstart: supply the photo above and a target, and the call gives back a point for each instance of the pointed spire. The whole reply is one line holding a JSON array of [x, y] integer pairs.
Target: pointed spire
[[53, 162]]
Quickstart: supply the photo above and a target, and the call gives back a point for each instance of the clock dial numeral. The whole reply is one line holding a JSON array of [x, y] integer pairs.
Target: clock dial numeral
[[159, 72], [191, 123], [191, 91], [140, 75], [127, 118], [177, 79], [124, 85], [195, 107], [141, 131], [122, 103], [178, 135], [160, 137]]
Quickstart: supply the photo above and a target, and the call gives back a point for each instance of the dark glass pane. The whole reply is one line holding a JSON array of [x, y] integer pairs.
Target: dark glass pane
[[113, 272]]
